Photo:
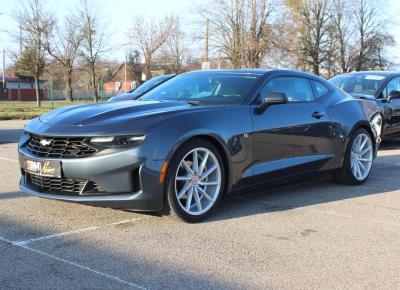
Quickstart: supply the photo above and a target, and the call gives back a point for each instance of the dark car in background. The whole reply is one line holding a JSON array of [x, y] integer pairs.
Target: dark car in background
[[143, 88], [180, 147], [380, 86]]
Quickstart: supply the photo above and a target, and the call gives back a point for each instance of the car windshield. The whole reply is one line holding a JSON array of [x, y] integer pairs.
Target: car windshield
[[150, 84], [221, 88], [366, 84]]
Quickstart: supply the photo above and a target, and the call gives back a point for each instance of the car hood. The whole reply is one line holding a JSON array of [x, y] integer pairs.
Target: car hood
[[110, 112], [126, 96]]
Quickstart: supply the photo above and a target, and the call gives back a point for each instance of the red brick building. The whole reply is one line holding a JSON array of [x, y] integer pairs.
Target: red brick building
[[118, 85], [19, 89]]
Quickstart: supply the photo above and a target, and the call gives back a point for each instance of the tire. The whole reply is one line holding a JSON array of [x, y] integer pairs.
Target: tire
[[203, 192], [349, 174]]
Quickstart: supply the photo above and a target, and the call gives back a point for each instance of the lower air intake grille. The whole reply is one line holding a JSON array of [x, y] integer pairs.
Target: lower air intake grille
[[65, 186]]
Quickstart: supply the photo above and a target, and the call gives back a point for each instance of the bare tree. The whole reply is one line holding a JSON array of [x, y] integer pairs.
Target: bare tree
[[150, 37], [311, 20], [241, 30], [93, 44], [376, 56], [36, 24], [175, 53], [258, 39], [64, 47], [226, 21], [369, 27], [342, 33], [133, 63], [358, 39]]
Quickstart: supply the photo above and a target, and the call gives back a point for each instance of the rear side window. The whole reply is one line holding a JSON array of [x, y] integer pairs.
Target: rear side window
[[320, 89], [295, 89]]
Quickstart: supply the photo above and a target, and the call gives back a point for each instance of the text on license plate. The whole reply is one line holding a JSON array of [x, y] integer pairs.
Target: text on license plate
[[44, 168]]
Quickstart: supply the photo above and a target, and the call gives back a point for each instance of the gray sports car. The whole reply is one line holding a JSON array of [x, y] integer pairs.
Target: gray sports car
[[383, 87], [185, 144]]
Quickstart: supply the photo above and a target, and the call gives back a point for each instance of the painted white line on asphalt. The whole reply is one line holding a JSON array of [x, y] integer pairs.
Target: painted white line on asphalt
[[112, 277], [386, 223], [8, 159], [23, 243], [5, 240], [331, 212]]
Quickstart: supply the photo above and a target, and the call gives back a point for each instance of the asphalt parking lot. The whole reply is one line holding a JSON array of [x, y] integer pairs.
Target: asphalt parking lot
[[316, 235]]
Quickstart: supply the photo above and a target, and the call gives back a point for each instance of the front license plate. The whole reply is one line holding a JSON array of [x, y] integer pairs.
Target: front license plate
[[47, 168]]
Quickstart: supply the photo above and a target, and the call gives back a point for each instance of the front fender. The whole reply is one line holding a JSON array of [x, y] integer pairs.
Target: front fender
[[229, 128]]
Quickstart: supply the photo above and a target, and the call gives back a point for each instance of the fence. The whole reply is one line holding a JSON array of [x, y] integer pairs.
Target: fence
[[78, 95], [29, 95], [25, 95]]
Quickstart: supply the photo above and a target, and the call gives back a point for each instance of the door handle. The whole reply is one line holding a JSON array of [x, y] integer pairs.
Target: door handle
[[317, 115]]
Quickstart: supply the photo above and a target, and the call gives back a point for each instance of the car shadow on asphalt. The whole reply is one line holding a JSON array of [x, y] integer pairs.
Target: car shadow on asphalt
[[307, 193]]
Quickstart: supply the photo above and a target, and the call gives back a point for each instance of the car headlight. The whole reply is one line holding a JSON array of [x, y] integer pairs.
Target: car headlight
[[117, 141]]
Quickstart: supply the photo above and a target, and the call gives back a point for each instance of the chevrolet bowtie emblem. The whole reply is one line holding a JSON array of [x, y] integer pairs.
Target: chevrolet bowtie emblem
[[45, 142]]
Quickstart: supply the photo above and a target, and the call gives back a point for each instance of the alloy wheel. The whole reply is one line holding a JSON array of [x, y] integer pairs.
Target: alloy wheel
[[361, 156], [198, 181]]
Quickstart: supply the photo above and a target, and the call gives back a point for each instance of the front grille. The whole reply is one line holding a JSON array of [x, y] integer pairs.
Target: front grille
[[66, 186], [59, 147]]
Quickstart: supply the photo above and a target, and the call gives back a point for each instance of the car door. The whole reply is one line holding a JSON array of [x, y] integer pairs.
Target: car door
[[292, 136], [392, 108]]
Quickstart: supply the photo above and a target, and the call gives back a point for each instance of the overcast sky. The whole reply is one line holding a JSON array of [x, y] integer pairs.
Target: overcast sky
[[119, 14]]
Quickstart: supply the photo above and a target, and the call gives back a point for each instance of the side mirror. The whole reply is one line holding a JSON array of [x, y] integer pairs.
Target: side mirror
[[273, 98], [393, 95]]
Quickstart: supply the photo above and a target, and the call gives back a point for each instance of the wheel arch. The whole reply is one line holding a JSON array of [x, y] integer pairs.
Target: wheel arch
[[217, 142], [363, 125]]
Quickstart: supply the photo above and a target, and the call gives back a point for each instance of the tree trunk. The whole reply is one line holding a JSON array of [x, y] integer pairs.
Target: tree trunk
[[147, 68], [69, 96], [38, 101], [94, 85], [236, 63], [316, 69], [360, 60], [147, 72]]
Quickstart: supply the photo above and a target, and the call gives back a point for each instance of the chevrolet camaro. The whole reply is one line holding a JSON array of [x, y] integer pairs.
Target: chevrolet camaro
[[181, 147], [383, 87]]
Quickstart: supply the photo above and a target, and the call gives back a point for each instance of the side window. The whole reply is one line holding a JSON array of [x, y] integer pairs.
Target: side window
[[320, 88], [393, 85], [295, 89]]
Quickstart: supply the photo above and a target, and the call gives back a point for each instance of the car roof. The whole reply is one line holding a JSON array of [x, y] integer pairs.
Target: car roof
[[375, 72], [256, 72], [237, 71]]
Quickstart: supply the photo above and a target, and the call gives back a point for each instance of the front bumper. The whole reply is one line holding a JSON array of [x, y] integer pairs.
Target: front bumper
[[113, 172]]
